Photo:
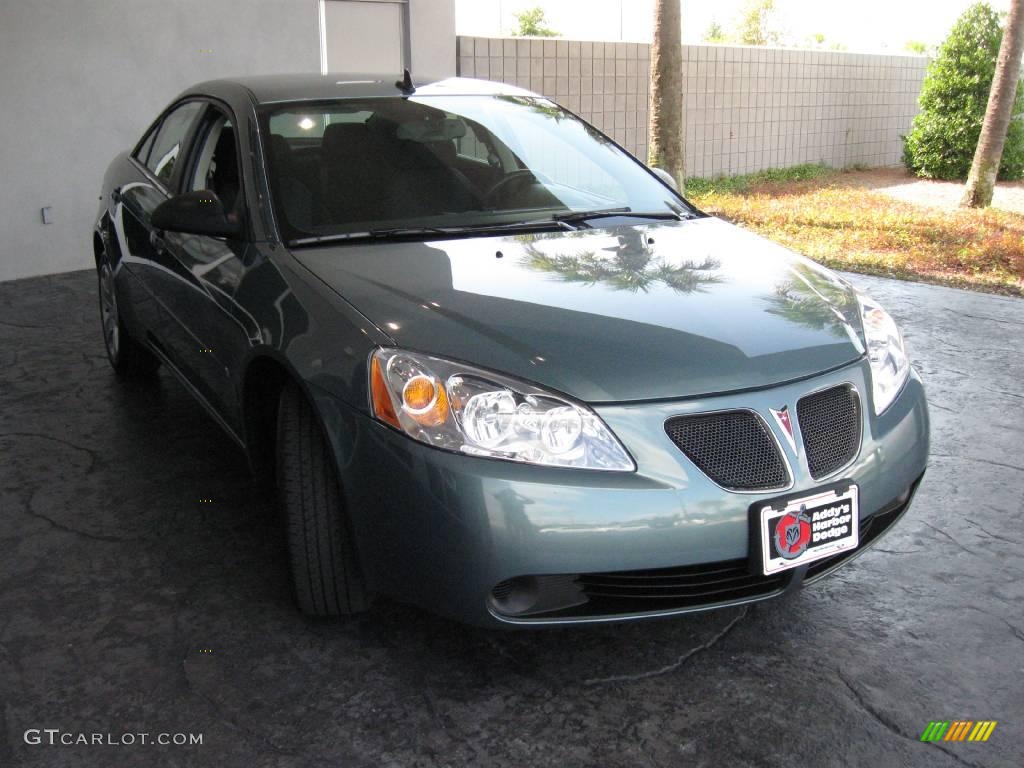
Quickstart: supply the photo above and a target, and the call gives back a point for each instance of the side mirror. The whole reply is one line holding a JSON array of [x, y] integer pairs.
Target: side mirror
[[666, 177], [195, 213]]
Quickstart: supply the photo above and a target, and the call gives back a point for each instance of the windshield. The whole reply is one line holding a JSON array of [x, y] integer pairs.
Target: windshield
[[373, 165]]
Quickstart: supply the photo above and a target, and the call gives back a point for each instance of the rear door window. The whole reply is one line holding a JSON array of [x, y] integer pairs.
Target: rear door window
[[170, 138]]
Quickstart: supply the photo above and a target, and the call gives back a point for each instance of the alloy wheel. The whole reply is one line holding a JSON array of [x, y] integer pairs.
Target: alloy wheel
[[108, 310]]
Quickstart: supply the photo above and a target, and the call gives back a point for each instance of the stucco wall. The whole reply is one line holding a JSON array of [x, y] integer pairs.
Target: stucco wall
[[432, 34], [80, 81], [357, 36], [745, 108]]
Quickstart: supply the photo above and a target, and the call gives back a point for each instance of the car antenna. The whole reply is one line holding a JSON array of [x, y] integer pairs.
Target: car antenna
[[405, 84]]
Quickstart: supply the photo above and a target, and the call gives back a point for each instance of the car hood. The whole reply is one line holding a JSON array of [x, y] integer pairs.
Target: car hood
[[607, 315]]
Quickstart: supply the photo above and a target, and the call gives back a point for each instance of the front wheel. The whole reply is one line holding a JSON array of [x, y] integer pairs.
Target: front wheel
[[321, 551], [127, 357]]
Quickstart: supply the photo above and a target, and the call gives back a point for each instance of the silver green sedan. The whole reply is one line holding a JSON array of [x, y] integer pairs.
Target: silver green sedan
[[495, 366]]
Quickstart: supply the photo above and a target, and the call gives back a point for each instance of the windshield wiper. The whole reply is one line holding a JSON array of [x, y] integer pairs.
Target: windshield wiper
[[372, 234], [578, 217], [398, 233]]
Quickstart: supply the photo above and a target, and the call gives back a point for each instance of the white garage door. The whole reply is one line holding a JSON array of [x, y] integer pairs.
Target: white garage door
[[365, 35]]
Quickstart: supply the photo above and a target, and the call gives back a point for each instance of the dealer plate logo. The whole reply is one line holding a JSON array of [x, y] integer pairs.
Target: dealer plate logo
[[793, 534]]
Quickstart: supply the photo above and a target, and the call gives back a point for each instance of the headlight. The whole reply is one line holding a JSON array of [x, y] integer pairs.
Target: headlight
[[461, 408], [889, 364]]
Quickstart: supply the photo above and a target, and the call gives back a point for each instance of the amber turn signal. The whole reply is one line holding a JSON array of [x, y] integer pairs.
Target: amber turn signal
[[383, 408]]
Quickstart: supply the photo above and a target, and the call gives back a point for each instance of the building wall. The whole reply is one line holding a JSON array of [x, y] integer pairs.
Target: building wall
[[432, 33], [364, 36], [80, 81], [745, 109]]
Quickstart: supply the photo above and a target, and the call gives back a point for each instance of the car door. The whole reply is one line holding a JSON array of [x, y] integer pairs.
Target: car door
[[157, 164], [211, 331]]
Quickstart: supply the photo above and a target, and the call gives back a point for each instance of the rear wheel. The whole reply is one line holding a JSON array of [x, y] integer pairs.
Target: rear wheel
[[128, 358], [321, 552]]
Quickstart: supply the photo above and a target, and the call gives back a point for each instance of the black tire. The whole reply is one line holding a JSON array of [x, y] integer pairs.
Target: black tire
[[128, 358], [324, 566]]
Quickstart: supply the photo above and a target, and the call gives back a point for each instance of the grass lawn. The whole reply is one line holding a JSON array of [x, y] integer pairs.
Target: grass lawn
[[835, 218]]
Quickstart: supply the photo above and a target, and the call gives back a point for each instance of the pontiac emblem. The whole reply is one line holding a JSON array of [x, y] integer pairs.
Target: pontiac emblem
[[786, 424]]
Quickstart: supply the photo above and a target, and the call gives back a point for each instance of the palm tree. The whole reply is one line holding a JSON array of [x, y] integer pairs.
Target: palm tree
[[627, 266], [989, 153], [554, 112], [666, 138], [812, 299]]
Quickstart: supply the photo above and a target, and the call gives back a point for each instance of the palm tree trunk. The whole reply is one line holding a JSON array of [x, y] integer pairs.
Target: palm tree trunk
[[982, 179], [666, 139]]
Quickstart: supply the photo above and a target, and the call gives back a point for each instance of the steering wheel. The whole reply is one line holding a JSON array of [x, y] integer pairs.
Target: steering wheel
[[515, 179]]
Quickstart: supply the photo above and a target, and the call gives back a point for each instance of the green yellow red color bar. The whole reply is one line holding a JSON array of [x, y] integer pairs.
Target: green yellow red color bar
[[958, 730]]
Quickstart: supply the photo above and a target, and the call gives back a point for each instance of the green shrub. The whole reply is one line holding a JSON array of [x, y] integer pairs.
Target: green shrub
[[954, 96]]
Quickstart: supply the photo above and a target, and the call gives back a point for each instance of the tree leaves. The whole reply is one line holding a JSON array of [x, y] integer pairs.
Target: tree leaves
[[954, 96]]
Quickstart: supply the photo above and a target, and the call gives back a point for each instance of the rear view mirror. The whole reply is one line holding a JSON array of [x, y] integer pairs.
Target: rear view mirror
[[666, 177], [426, 131], [195, 213]]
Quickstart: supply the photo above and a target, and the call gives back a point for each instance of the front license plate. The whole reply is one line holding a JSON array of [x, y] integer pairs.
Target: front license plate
[[800, 531]]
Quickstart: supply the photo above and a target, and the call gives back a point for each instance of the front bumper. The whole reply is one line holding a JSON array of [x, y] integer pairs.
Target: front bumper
[[442, 530]]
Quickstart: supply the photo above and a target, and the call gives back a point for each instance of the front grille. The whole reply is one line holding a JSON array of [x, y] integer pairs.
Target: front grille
[[830, 425], [733, 448]]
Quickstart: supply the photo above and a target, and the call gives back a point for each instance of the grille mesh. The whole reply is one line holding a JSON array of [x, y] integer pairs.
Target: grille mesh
[[733, 448], [830, 425], [502, 589], [674, 588]]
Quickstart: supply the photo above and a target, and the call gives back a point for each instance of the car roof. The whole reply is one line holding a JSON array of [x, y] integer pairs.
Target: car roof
[[276, 89]]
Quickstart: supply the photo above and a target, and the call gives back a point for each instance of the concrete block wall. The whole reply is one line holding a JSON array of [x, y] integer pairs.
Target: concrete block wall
[[745, 108]]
